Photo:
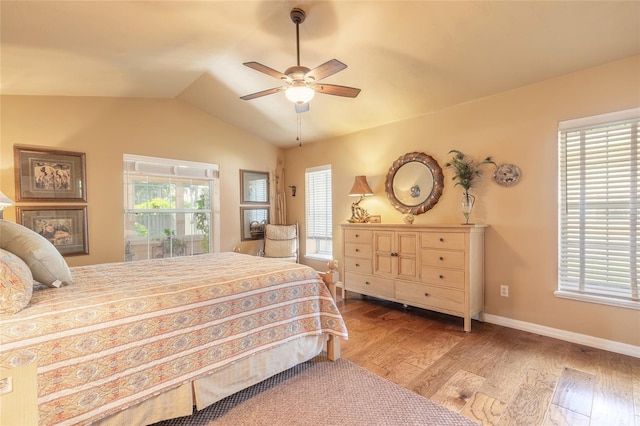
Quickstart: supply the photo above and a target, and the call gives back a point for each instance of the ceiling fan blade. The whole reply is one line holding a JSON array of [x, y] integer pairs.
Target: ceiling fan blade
[[265, 69], [302, 107], [332, 89], [325, 70], [262, 93]]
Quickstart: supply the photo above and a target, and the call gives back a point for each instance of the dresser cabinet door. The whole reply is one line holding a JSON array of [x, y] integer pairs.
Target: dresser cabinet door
[[406, 253], [383, 253], [396, 254]]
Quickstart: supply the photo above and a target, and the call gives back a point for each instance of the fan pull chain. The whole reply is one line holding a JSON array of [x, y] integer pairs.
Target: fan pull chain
[[299, 133]]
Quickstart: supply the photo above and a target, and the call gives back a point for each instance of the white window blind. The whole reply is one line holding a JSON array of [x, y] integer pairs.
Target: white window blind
[[318, 212], [598, 209]]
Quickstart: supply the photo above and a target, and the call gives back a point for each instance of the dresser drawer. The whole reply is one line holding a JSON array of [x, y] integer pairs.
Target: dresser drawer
[[430, 297], [355, 264], [443, 258], [369, 284], [444, 240], [358, 250], [358, 236], [452, 278]]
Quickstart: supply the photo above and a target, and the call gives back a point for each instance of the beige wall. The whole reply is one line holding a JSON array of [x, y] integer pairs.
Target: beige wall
[[518, 127], [105, 128]]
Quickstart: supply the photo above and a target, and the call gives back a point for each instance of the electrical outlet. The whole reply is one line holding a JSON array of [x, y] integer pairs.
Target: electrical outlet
[[504, 290]]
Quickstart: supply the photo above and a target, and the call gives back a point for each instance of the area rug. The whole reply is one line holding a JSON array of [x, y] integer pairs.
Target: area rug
[[321, 392]]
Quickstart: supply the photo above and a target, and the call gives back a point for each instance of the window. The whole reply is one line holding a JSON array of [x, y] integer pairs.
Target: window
[[318, 213], [598, 209], [170, 208]]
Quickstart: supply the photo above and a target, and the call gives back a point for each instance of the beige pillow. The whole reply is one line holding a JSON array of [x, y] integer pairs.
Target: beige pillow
[[45, 262], [280, 241], [16, 283]]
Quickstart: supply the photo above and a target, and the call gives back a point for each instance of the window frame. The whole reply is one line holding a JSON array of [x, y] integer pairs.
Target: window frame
[[598, 232], [327, 213], [157, 168]]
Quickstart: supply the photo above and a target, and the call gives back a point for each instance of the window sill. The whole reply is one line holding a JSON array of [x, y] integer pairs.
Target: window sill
[[602, 300], [318, 257]]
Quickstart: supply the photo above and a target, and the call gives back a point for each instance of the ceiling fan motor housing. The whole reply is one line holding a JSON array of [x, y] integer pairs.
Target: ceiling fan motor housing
[[297, 72]]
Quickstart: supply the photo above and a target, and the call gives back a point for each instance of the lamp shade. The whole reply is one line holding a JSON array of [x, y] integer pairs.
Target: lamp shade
[[4, 201], [361, 187]]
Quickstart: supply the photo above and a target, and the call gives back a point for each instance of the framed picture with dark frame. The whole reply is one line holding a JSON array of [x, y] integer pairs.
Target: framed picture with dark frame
[[49, 175], [253, 220], [254, 187], [64, 226]]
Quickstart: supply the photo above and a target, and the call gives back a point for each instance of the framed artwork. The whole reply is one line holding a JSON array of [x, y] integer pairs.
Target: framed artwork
[[64, 226], [254, 187], [253, 220], [49, 175]]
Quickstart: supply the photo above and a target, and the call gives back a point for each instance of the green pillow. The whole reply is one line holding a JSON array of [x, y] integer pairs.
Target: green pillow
[[45, 262]]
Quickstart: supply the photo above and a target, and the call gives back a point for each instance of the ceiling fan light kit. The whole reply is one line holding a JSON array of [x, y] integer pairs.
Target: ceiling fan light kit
[[300, 82], [299, 93]]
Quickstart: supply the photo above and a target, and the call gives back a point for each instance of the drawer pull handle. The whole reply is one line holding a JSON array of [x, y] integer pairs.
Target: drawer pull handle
[[367, 282], [357, 235], [426, 294], [441, 258], [442, 240], [357, 265], [441, 276], [357, 250]]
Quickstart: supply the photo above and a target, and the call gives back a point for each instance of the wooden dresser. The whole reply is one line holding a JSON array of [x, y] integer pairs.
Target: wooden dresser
[[436, 267]]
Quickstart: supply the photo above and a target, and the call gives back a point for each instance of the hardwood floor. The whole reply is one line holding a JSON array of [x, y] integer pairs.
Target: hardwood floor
[[493, 375]]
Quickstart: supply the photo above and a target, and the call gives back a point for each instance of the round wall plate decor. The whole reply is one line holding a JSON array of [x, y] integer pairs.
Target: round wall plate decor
[[506, 174]]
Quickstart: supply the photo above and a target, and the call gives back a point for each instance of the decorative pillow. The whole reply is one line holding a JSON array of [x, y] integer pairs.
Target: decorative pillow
[[280, 241], [16, 283], [45, 261]]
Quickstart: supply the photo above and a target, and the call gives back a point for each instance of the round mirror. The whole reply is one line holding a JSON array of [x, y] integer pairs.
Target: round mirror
[[414, 183]]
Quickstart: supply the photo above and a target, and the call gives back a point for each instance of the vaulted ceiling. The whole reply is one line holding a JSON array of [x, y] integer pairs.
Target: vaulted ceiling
[[409, 58]]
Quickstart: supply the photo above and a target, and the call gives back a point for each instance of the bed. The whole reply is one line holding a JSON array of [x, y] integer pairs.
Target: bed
[[140, 342]]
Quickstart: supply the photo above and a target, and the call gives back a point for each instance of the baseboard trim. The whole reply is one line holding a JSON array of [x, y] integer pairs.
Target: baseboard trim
[[582, 339]]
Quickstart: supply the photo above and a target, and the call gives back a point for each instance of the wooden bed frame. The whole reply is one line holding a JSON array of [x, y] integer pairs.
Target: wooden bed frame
[[330, 278]]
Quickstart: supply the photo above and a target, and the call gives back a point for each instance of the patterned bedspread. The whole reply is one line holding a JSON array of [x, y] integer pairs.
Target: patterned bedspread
[[126, 331]]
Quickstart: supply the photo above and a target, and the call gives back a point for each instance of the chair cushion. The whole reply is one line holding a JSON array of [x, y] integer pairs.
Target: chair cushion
[[16, 283], [281, 241], [45, 262]]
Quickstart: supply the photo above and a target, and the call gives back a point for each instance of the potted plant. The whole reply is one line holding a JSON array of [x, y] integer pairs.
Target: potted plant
[[171, 245], [466, 171]]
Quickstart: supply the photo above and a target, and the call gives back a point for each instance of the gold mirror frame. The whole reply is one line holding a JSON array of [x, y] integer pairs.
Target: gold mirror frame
[[431, 166]]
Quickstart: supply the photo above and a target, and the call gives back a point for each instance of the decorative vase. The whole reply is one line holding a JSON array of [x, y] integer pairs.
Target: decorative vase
[[467, 205]]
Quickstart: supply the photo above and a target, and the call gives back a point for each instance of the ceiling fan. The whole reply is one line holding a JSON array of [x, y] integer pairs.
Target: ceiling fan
[[300, 83]]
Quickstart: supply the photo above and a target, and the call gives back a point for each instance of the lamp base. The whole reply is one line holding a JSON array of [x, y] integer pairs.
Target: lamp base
[[358, 214]]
